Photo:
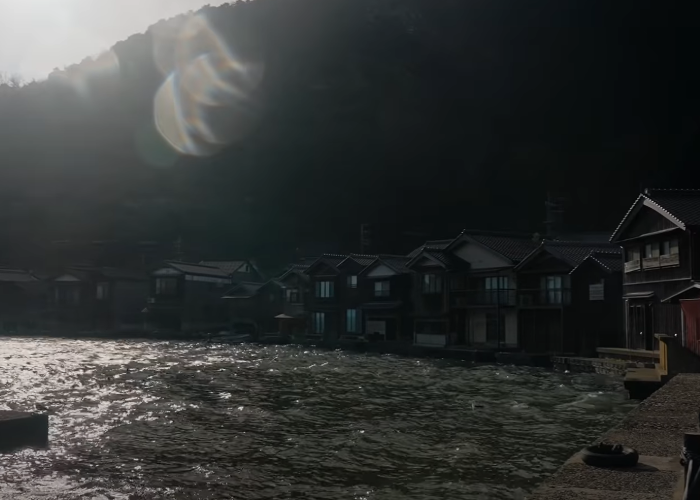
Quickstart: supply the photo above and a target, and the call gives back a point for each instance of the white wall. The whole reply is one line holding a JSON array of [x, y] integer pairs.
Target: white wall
[[480, 257], [381, 270]]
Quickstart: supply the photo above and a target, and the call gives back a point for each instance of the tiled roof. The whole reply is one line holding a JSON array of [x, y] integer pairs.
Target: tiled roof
[[230, 266], [396, 262], [243, 290], [198, 269], [612, 262], [432, 245], [361, 259], [574, 252], [682, 204], [16, 276], [512, 247]]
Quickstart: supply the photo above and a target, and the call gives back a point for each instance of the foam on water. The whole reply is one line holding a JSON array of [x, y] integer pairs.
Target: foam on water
[[185, 420]]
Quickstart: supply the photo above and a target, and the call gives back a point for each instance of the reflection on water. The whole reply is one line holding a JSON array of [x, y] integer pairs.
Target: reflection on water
[[185, 420]]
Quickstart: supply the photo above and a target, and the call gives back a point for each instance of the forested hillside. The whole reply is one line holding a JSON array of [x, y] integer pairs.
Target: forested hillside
[[423, 113]]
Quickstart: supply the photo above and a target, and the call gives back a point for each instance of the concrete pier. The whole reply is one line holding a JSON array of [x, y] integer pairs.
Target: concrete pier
[[19, 430], [655, 429]]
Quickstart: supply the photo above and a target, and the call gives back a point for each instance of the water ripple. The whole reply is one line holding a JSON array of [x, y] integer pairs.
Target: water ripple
[[185, 420]]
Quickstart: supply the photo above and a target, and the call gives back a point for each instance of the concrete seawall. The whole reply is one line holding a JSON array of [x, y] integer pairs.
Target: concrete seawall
[[655, 429]]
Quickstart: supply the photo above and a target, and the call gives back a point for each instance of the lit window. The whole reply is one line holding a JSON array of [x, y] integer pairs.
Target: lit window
[[351, 320], [324, 289], [319, 322]]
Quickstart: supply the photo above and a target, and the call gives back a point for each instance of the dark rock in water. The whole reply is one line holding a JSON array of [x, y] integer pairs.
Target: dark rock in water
[[20, 430]]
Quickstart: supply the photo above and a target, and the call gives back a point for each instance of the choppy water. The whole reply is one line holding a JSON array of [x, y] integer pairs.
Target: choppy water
[[256, 422]]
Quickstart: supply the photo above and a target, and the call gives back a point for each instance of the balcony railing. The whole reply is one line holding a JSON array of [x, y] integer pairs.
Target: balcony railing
[[469, 298], [538, 297], [633, 265], [651, 263], [669, 260]]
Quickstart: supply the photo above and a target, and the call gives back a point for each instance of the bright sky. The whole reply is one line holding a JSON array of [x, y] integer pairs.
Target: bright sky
[[37, 36]]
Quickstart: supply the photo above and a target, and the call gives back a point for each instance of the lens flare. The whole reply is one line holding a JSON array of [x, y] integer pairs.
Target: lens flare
[[207, 99]]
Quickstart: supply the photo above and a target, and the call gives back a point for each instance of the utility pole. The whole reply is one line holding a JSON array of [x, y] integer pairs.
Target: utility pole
[[365, 237], [555, 215]]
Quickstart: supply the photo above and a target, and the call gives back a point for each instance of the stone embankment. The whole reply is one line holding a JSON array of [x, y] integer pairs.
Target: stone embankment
[[655, 429]]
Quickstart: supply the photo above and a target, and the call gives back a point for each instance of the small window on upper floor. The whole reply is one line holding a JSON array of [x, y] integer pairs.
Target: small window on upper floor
[[651, 250], [669, 247], [382, 289], [352, 281], [325, 289], [432, 283]]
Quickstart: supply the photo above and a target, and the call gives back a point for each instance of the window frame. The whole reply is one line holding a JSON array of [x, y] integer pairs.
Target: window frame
[[382, 288], [318, 319], [352, 320], [431, 283], [325, 289]]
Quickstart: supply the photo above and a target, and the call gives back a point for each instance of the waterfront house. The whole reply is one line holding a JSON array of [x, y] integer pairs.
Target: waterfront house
[[252, 307], [293, 318], [568, 298], [100, 299], [384, 287], [22, 301], [270, 310], [464, 290], [188, 297], [660, 235], [334, 289], [239, 270]]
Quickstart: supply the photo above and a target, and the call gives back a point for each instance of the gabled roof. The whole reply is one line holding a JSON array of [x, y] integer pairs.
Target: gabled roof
[[243, 290], [440, 257], [298, 269], [229, 266], [431, 245], [513, 246], [197, 269], [609, 262], [680, 206], [396, 263], [694, 290], [572, 253], [16, 276], [362, 260], [330, 259]]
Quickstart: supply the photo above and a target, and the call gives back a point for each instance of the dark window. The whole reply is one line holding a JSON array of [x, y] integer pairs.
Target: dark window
[[102, 291], [632, 255], [495, 328], [432, 283], [292, 295], [651, 250], [382, 289], [166, 286], [352, 281]]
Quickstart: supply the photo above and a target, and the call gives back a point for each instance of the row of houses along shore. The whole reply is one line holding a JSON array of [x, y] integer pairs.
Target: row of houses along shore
[[477, 290]]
